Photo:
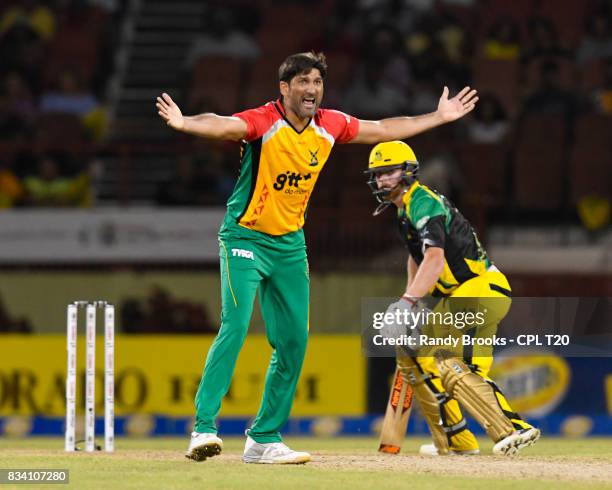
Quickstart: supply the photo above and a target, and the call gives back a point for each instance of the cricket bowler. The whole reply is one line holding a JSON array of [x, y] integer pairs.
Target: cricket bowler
[[285, 145], [447, 260]]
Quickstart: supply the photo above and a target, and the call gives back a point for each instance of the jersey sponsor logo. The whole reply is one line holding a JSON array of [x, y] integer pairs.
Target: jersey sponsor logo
[[247, 254], [290, 180], [314, 161]]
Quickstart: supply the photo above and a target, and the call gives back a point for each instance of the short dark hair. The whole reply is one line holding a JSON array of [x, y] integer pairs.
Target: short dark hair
[[302, 63]]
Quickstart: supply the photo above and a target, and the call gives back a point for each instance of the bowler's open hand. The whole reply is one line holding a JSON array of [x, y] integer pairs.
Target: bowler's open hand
[[462, 103], [170, 112]]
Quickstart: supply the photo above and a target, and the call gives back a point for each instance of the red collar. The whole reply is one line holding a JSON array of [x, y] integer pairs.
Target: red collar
[[281, 108]]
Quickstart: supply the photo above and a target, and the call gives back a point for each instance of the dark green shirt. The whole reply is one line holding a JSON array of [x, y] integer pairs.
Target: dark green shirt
[[428, 219]]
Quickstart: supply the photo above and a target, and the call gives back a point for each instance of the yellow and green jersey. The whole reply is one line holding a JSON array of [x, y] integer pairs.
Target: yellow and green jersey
[[428, 219], [280, 166]]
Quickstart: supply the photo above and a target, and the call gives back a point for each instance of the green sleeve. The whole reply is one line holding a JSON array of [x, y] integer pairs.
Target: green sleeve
[[423, 207]]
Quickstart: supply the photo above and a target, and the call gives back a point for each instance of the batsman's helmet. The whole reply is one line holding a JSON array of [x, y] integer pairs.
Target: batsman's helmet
[[388, 156]]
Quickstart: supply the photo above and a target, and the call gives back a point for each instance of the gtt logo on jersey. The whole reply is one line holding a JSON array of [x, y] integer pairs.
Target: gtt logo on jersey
[[291, 179], [247, 254]]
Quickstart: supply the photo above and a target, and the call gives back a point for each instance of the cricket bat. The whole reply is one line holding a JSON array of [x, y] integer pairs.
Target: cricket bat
[[397, 415]]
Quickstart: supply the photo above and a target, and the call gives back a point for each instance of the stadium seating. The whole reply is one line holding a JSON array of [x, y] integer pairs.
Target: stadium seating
[[569, 22], [219, 81], [501, 79], [59, 128], [540, 162], [485, 167], [591, 75], [591, 157], [566, 77]]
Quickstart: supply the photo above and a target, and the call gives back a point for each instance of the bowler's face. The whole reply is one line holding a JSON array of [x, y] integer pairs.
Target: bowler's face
[[303, 93]]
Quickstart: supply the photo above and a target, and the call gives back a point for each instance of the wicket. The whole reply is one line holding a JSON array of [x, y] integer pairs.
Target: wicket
[[91, 308]]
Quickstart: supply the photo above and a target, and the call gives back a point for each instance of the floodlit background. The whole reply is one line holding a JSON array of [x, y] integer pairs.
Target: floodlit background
[[100, 200]]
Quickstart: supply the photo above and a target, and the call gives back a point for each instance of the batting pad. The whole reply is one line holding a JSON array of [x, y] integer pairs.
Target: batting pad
[[428, 402], [473, 393]]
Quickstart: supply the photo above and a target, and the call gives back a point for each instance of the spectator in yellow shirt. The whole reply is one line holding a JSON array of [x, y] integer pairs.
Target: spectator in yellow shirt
[[38, 18], [49, 188]]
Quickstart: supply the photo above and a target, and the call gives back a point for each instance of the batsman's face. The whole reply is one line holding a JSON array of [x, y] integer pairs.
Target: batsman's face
[[389, 180], [303, 94]]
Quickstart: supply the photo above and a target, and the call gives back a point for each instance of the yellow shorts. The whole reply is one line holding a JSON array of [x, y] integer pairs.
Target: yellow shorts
[[489, 295]]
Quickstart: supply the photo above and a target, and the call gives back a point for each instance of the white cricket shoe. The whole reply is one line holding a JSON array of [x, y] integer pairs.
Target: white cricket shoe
[[203, 445], [272, 453], [512, 444], [431, 450]]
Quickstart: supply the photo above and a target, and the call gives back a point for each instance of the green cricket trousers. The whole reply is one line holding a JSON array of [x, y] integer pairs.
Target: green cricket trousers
[[278, 268]]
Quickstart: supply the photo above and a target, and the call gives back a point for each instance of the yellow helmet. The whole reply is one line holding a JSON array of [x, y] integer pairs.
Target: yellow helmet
[[388, 156]]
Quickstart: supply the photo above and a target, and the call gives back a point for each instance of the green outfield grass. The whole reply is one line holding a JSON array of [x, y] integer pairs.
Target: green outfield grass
[[337, 463]]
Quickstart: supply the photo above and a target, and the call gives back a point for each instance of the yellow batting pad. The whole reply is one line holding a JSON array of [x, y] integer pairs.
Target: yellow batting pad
[[475, 394]]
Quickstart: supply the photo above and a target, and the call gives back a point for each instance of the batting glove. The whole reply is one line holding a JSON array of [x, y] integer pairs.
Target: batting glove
[[402, 317]]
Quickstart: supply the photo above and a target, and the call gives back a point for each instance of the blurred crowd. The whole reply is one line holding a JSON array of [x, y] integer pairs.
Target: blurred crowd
[[389, 57], [56, 59], [538, 67], [536, 145]]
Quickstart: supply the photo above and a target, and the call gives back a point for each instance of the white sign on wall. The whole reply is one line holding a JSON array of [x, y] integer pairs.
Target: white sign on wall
[[109, 235]]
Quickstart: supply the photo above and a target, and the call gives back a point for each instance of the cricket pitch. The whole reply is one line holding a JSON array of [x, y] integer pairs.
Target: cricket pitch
[[337, 463]]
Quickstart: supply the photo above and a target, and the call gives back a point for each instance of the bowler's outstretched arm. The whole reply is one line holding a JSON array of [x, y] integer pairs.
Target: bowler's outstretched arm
[[399, 128], [206, 125]]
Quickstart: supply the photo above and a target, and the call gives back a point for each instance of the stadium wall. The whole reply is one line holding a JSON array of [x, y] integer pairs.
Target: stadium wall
[[157, 376]]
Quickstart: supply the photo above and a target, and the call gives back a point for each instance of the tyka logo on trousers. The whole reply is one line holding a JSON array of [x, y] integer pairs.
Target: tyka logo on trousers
[[247, 254]]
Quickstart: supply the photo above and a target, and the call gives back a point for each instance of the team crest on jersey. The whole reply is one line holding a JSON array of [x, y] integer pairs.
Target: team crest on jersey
[[314, 161]]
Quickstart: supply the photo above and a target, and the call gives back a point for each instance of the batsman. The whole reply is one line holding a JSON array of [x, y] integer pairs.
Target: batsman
[[447, 261]]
